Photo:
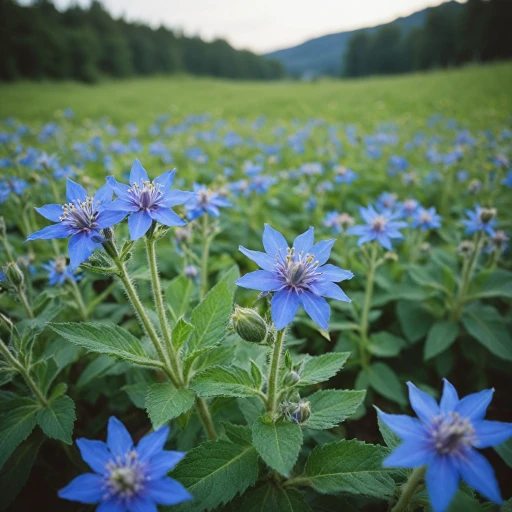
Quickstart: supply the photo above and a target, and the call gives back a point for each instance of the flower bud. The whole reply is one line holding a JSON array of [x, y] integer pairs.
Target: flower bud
[[14, 275], [487, 214], [249, 325], [425, 248], [291, 378], [466, 247], [296, 412], [191, 271]]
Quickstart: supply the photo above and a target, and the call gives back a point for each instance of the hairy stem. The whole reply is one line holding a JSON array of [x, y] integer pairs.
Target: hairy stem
[[24, 301], [273, 374], [204, 257], [206, 418], [77, 294], [408, 489], [363, 325]]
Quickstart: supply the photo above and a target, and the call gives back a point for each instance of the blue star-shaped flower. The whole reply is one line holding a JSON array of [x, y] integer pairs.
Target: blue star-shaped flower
[[205, 201], [127, 478], [81, 218], [426, 218], [297, 275], [146, 201], [444, 439], [482, 219]]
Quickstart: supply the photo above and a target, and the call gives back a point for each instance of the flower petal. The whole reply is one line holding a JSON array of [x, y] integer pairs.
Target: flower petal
[[329, 290], [122, 204], [285, 304], [95, 453], [141, 504], [74, 191], [138, 224], [175, 198], [322, 250], [138, 173], [442, 482], [261, 280], [304, 242], [108, 218], [474, 406], [119, 440], [476, 471], [163, 462], [491, 433], [103, 196], [53, 231], [265, 261], [111, 505], [410, 454], [423, 404], [450, 398], [403, 426], [166, 179], [317, 308], [119, 188], [80, 247], [51, 212], [274, 242], [86, 488], [167, 217], [336, 274], [152, 443], [167, 491]]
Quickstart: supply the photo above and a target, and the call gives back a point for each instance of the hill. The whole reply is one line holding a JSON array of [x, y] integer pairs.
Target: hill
[[324, 55]]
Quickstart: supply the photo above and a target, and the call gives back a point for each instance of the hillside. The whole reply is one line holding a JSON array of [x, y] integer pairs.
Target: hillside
[[324, 55]]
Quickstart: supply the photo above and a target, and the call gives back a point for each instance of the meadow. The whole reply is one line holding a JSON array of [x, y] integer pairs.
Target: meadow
[[219, 375]]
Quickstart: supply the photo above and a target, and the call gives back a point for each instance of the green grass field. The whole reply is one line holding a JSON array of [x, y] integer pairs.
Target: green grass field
[[473, 94]]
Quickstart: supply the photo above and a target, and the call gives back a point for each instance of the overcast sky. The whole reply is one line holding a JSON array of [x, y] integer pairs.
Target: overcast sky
[[261, 25]]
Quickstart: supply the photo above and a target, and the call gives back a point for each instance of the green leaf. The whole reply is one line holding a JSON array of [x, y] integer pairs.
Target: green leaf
[[349, 467], [251, 408], [330, 407], [321, 368], [385, 344], [180, 333], [137, 393], [464, 503], [178, 296], [18, 421], [277, 443], [486, 325], [497, 284], [256, 374], [224, 381], [268, 498], [390, 438], [440, 337], [504, 450], [384, 380], [210, 318], [215, 472], [414, 319], [165, 402], [16, 471], [106, 339], [230, 277], [98, 367], [57, 419], [45, 371]]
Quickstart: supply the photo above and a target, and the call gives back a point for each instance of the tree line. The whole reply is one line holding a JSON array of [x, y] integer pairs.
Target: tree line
[[38, 41], [478, 31]]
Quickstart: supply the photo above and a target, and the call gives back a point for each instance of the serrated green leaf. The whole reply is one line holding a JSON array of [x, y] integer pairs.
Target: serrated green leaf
[[330, 407], [497, 284], [275, 499], [137, 393], [256, 374], [384, 380], [349, 467], [165, 402], [18, 421], [321, 368], [215, 472], [277, 443], [178, 296], [180, 333], [385, 344], [390, 438], [238, 434], [486, 325], [224, 381], [57, 419], [98, 367], [210, 318], [45, 371], [106, 339], [440, 337], [251, 408]]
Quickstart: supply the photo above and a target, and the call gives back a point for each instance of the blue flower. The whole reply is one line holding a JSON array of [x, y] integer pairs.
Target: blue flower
[[205, 201], [426, 218], [482, 219], [379, 226], [344, 175], [127, 477], [508, 179], [298, 276], [82, 218], [444, 438], [59, 272], [146, 201]]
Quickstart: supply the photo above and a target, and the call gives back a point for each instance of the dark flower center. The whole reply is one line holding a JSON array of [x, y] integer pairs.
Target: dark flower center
[[203, 198], [298, 273], [125, 476], [379, 223], [80, 215], [450, 433], [147, 196]]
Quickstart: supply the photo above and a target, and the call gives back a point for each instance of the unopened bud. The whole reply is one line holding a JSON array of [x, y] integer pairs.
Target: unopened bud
[[292, 378], [487, 214], [249, 325], [296, 412], [191, 271], [474, 186], [425, 248], [466, 248], [14, 275], [391, 256]]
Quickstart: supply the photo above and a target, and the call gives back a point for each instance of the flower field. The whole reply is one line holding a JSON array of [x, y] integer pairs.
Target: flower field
[[281, 297]]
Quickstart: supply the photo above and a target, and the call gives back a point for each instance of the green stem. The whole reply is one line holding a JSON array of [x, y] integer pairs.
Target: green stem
[[206, 418], [24, 301], [10, 256], [77, 294], [408, 489], [363, 326], [98, 299], [273, 374], [160, 308], [16, 365], [204, 258]]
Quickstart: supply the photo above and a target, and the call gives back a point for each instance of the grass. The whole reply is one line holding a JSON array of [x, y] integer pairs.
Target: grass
[[472, 94]]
